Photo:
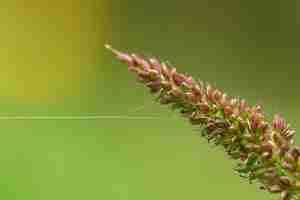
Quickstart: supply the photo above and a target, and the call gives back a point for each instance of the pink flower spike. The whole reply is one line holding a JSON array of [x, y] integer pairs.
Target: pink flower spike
[[263, 148]]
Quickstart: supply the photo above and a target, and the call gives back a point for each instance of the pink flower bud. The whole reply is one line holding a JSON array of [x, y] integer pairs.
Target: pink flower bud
[[155, 86], [121, 56], [243, 106], [178, 78], [224, 100], [165, 71], [204, 107], [140, 62], [278, 122], [191, 97], [155, 64], [190, 81]]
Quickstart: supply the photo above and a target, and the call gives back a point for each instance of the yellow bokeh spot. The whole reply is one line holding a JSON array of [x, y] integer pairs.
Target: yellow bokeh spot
[[48, 48]]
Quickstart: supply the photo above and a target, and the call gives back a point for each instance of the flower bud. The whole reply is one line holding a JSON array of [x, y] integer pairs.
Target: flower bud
[[217, 94], [191, 97], [278, 140], [266, 155], [221, 123], [267, 150], [234, 102], [285, 195], [252, 147], [285, 181], [190, 81], [143, 76], [254, 121], [278, 122], [267, 146], [289, 134], [288, 166], [178, 79], [153, 74], [243, 105], [140, 62], [228, 110], [295, 152], [224, 100], [274, 188], [155, 64], [166, 99], [197, 118], [121, 56], [165, 71], [176, 92], [257, 108], [204, 107], [209, 92], [155, 86], [197, 90]]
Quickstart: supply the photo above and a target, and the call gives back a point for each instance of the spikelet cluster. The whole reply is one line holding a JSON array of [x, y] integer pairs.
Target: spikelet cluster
[[263, 149]]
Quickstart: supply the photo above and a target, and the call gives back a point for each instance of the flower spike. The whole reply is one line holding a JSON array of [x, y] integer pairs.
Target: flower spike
[[263, 149]]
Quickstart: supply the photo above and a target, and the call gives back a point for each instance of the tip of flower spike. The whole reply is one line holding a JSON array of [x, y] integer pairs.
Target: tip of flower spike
[[121, 56], [114, 51], [107, 46]]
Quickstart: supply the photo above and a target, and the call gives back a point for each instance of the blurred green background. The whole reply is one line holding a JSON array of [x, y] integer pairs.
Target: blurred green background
[[53, 63]]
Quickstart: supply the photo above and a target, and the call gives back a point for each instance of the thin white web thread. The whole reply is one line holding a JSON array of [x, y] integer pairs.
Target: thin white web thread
[[87, 116], [79, 117]]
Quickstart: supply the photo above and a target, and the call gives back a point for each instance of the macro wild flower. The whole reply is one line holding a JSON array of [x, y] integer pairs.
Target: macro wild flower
[[263, 148]]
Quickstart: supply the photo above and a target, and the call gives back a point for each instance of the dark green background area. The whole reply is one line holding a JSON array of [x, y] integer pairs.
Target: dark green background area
[[246, 48]]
